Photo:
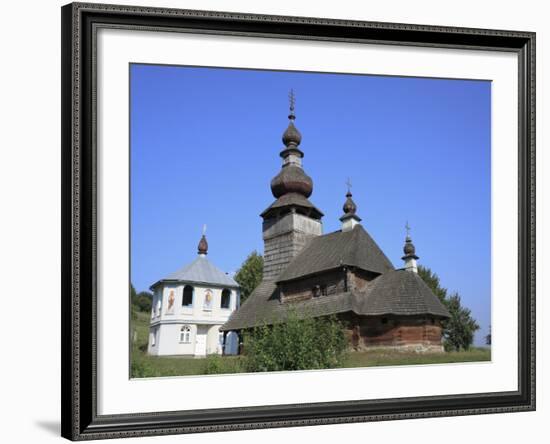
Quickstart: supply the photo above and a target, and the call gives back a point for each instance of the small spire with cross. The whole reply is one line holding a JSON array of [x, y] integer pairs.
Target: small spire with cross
[[409, 249], [204, 229], [292, 102], [350, 217]]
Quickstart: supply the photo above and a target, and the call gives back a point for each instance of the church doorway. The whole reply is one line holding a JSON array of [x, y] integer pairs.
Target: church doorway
[[200, 341]]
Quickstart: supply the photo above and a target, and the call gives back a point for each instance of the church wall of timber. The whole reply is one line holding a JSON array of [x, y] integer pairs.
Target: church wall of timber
[[401, 332], [322, 285]]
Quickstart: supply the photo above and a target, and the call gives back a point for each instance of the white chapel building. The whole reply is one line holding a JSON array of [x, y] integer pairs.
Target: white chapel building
[[189, 307]]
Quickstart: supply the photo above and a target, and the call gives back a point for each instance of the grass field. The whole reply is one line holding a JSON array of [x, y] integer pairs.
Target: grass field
[[144, 365]]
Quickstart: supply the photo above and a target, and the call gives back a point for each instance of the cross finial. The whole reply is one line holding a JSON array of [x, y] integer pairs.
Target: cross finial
[[348, 183], [204, 229], [407, 228], [292, 101]]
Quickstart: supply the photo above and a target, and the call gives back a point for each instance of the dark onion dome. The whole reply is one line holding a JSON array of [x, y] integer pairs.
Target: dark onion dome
[[349, 206], [203, 245], [292, 136], [409, 249], [291, 179]]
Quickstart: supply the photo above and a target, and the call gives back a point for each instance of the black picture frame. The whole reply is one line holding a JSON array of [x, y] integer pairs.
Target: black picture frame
[[79, 249]]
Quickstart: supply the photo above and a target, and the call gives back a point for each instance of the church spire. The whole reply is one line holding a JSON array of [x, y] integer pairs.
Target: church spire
[[292, 220], [292, 179], [350, 218], [291, 154], [409, 249], [203, 244]]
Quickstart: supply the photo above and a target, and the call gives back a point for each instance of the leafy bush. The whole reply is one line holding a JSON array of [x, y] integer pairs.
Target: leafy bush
[[296, 344], [213, 365]]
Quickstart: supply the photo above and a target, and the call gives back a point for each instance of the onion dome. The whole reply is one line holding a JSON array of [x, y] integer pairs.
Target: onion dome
[[203, 245], [291, 179], [350, 219], [291, 136], [349, 206], [409, 248]]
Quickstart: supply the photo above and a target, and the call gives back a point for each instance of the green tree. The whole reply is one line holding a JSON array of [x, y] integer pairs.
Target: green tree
[[432, 280], [296, 344], [488, 337], [459, 329], [133, 306], [249, 275], [144, 301], [132, 293]]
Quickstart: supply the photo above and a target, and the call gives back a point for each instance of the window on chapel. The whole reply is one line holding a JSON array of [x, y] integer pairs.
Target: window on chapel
[[226, 298], [187, 299], [185, 334]]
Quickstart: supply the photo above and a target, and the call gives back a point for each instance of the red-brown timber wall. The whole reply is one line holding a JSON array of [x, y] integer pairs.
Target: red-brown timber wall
[[400, 332]]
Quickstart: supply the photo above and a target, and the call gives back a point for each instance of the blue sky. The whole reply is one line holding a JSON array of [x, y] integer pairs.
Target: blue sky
[[205, 145]]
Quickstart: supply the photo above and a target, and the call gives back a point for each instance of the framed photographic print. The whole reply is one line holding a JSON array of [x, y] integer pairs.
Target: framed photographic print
[[276, 221]]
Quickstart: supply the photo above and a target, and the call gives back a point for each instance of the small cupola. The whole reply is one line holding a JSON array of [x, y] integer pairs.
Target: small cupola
[[409, 249], [350, 219], [203, 243]]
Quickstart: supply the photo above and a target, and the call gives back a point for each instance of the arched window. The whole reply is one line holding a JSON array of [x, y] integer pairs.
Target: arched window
[[185, 334], [187, 300], [226, 298]]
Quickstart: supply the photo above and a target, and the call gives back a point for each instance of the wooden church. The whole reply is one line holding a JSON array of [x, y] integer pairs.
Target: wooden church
[[344, 273]]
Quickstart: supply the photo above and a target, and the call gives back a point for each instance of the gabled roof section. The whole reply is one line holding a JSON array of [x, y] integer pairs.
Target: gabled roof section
[[351, 248], [399, 292], [201, 271]]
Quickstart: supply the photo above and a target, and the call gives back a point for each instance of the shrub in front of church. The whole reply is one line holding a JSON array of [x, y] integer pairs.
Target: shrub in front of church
[[296, 344]]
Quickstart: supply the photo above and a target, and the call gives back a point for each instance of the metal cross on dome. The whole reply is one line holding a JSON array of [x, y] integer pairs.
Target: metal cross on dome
[[292, 100], [407, 228], [348, 183]]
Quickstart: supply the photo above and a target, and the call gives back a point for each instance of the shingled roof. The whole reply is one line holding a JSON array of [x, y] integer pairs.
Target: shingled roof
[[201, 271], [397, 292], [352, 248]]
